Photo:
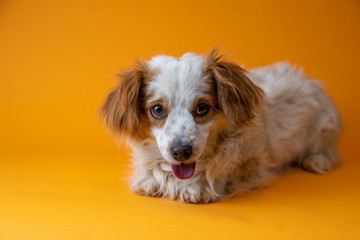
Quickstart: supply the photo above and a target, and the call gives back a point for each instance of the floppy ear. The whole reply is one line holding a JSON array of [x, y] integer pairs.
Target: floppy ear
[[121, 109], [238, 97]]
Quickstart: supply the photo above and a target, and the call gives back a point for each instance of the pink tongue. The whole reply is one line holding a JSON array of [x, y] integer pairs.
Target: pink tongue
[[183, 171]]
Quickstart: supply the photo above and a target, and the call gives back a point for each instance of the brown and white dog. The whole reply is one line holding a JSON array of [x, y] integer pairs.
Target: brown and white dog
[[202, 128]]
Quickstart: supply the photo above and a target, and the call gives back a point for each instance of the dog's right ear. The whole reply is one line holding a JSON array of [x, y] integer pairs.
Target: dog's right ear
[[121, 109]]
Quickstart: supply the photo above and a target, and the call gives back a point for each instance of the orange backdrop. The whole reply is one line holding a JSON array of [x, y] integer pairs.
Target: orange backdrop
[[61, 174]]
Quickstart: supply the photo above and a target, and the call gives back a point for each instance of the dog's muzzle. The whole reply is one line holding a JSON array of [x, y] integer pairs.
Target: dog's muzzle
[[182, 152]]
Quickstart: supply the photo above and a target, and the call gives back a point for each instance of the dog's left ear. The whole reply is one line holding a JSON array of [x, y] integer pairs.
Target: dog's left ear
[[238, 97]]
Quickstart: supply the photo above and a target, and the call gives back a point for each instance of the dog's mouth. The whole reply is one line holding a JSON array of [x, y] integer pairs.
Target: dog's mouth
[[183, 171]]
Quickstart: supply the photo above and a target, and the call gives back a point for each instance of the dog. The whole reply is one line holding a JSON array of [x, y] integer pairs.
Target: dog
[[202, 128]]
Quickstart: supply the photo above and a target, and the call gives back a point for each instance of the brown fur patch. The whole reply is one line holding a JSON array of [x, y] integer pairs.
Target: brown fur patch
[[164, 102], [210, 100], [238, 97]]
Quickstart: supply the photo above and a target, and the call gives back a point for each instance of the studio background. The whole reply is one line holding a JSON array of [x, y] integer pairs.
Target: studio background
[[62, 175]]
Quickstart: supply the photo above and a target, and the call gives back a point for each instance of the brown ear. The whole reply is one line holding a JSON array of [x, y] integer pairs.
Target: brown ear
[[121, 109], [238, 97]]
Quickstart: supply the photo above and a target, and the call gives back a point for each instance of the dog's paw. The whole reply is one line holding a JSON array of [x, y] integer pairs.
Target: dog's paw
[[146, 192], [193, 196], [317, 164], [145, 187]]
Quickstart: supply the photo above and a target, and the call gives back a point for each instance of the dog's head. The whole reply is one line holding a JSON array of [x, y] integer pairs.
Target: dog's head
[[178, 102]]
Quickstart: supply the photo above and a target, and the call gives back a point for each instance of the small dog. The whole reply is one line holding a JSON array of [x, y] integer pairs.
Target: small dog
[[202, 128]]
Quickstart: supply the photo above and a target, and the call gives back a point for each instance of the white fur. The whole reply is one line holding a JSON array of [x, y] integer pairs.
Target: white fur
[[298, 124]]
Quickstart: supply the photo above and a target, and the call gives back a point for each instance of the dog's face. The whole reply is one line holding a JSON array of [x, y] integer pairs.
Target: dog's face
[[178, 101], [181, 105]]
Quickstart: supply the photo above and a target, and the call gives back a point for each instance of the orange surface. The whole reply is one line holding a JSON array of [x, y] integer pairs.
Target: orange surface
[[63, 177]]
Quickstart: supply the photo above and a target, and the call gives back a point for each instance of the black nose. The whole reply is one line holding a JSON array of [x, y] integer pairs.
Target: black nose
[[181, 152]]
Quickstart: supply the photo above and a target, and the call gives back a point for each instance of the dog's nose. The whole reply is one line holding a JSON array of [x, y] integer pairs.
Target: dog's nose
[[181, 152]]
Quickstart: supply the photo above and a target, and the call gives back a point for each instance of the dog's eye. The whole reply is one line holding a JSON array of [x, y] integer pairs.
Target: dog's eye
[[157, 111], [201, 110]]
